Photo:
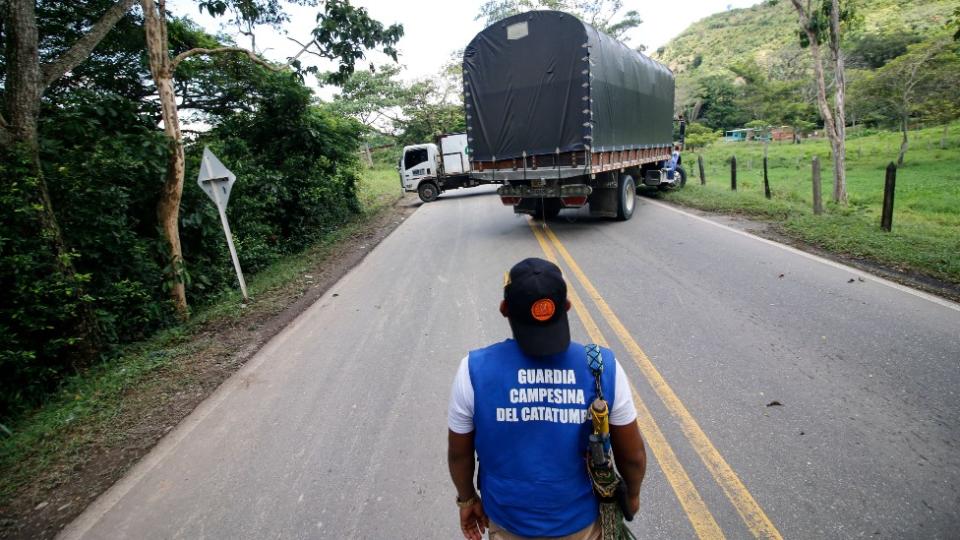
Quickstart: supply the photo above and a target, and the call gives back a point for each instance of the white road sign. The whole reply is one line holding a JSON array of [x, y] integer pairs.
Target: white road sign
[[216, 180]]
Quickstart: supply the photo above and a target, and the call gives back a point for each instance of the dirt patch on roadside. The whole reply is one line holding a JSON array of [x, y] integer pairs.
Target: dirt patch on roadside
[[207, 357], [772, 231]]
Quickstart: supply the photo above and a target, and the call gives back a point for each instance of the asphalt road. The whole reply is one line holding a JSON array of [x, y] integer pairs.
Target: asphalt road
[[337, 428]]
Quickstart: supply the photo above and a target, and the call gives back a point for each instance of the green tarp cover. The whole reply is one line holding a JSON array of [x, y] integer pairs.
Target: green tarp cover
[[544, 81]]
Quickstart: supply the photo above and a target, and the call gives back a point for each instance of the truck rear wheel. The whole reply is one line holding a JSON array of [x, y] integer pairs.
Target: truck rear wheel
[[626, 197], [428, 191]]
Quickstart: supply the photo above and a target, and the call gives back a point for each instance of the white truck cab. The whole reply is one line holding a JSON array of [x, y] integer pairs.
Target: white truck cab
[[429, 169], [418, 162]]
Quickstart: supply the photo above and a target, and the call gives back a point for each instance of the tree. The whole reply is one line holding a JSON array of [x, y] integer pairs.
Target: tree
[[30, 69], [791, 103], [372, 97], [425, 115], [604, 15], [820, 25], [343, 32], [699, 135], [27, 76], [873, 50], [719, 103], [922, 81], [753, 90], [342, 35]]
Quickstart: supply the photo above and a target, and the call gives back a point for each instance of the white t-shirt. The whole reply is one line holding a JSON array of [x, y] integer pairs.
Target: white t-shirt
[[460, 411]]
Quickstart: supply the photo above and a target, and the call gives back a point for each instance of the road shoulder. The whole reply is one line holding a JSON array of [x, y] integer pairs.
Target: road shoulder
[[771, 231]]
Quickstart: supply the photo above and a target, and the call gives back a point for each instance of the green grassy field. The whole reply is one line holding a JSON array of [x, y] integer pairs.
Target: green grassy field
[[926, 220], [379, 187]]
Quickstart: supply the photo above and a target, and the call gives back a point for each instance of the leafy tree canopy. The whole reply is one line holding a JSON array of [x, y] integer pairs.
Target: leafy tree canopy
[[343, 31]]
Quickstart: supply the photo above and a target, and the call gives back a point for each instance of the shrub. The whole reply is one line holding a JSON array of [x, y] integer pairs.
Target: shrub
[[699, 135]]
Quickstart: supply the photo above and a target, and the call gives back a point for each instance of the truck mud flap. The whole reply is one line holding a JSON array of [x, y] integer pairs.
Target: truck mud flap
[[652, 178]]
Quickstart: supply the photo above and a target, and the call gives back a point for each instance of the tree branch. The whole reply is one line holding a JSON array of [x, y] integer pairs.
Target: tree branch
[[211, 104], [220, 50], [304, 48], [85, 45]]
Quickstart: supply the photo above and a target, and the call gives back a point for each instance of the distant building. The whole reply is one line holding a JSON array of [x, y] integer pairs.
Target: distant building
[[746, 134], [782, 133], [737, 135]]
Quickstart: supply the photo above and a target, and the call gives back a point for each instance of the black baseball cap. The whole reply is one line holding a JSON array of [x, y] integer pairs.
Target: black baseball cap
[[536, 297]]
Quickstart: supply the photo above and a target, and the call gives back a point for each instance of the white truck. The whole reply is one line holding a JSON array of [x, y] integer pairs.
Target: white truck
[[430, 169]]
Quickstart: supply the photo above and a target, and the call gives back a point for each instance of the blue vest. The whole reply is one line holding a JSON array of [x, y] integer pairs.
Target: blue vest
[[531, 428]]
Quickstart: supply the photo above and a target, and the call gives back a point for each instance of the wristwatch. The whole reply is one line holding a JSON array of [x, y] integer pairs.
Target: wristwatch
[[467, 503]]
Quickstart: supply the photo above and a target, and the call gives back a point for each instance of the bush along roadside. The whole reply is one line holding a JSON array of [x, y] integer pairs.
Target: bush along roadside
[[103, 160], [82, 439], [926, 217]]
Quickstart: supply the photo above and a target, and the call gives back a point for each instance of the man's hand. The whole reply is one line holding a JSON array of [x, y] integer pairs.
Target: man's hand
[[474, 522]]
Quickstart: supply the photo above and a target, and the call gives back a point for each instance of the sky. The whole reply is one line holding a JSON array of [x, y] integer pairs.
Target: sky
[[434, 29]]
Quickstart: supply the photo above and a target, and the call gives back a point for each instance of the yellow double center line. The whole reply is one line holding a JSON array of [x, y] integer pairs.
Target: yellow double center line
[[703, 522]]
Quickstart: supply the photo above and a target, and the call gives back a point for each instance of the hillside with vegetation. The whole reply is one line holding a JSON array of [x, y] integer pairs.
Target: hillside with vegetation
[[750, 68], [747, 65], [767, 33]]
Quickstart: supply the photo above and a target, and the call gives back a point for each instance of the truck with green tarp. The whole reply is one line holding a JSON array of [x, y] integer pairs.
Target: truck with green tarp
[[563, 116]]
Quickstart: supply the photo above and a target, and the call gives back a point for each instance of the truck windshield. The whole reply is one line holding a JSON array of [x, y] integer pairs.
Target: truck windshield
[[414, 157]]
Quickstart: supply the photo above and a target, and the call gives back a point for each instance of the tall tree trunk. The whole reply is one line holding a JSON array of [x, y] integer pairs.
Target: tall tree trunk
[[839, 108], [367, 155], [168, 207], [24, 86], [904, 142], [833, 120]]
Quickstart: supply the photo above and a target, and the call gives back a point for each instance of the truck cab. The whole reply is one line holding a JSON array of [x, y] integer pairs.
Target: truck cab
[[419, 162], [432, 168]]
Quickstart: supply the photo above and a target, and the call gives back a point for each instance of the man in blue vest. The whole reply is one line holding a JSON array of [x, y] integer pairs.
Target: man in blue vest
[[521, 405]]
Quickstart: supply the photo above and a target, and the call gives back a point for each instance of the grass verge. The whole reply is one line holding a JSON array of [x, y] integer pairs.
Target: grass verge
[[115, 411], [926, 223]]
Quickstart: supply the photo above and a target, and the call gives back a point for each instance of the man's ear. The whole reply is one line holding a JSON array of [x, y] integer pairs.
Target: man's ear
[[503, 308], [568, 305]]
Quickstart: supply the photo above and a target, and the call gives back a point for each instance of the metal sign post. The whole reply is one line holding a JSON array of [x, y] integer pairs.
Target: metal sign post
[[217, 182]]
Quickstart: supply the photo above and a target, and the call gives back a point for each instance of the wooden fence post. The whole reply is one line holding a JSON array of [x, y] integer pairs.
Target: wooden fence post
[[766, 181], [817, 195], [703, 178], [733, 173], [889, 185]]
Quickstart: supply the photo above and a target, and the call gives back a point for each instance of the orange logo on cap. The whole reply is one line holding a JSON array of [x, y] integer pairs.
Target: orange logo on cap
[[543, 309]]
